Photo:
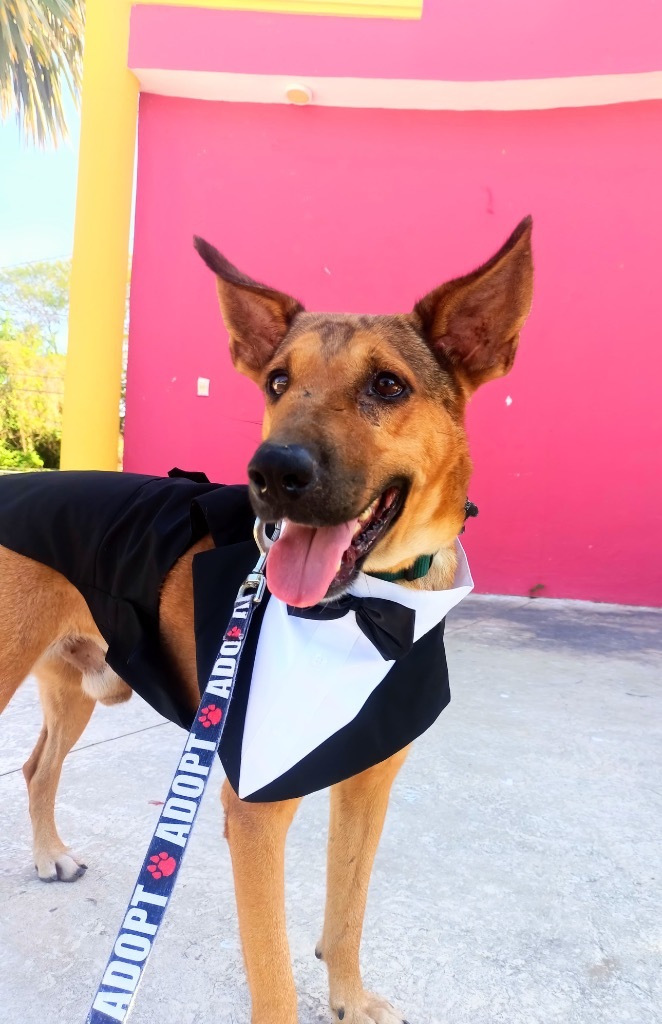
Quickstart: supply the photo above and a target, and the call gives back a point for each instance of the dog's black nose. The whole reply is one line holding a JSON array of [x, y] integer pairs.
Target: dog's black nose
[[281, 471]]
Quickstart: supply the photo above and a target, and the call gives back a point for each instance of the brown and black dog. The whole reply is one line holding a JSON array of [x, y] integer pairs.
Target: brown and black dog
[[364, 418]]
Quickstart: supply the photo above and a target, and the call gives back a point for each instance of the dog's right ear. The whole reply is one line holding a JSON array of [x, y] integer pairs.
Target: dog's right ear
[[257, 317]]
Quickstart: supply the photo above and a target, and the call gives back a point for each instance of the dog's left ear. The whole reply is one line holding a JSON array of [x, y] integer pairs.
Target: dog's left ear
[[257, 317], [474, 321]]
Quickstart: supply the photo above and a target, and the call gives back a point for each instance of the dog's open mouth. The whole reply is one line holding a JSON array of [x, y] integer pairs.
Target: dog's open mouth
[[307, 561]]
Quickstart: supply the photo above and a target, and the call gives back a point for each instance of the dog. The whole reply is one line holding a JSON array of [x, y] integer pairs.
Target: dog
[[365, 460]]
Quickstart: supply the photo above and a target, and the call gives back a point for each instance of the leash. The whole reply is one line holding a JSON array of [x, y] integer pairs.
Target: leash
[[115, 996], [116, 993]]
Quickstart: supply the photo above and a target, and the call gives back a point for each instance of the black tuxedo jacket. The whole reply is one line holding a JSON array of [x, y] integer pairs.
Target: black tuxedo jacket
[[115, 536]]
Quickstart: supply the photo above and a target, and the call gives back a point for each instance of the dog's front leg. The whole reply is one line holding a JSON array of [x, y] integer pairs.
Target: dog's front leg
[[256, 834], [358, 809]]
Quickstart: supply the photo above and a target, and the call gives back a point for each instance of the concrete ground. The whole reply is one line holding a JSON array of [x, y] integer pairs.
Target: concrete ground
[[518, 880]]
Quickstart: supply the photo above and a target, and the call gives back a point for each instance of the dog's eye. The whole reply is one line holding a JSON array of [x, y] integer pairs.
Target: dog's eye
[[278, 382], [386, 385]]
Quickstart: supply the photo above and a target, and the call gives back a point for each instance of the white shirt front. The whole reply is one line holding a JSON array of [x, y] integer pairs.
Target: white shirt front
[[311, 678]]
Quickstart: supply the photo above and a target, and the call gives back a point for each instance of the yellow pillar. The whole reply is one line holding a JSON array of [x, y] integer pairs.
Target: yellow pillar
[[90, 431]]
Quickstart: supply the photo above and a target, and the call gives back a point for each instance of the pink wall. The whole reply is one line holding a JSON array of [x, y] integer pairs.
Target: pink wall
[[454, 40], [364, 211]]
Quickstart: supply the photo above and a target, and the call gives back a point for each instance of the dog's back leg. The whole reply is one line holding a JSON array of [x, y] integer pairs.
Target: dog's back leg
[[19, 647], [67, 710], [14, 667], [33, 602], [46, 628], [358, 809]]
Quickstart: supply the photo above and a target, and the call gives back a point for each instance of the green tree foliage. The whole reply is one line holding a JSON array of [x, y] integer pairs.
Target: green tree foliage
[[33, 310], [41, 49], [35, 296], [31, 386], [34, 304]]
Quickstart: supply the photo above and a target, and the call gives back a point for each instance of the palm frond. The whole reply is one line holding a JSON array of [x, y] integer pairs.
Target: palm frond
[[41, 52]]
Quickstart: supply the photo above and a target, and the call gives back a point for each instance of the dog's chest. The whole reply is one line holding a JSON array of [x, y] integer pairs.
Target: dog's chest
[[322, 699]]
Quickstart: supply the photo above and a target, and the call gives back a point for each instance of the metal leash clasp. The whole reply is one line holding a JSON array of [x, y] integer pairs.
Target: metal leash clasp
[[256, 580]]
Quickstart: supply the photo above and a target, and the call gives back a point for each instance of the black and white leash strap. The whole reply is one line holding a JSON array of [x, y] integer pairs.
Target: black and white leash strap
[[116, 994]]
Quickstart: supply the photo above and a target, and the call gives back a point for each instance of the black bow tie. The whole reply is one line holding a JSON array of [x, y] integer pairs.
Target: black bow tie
[[388, 625]]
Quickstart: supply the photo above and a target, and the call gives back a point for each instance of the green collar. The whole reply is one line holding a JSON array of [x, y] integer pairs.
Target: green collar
[[420, 568]]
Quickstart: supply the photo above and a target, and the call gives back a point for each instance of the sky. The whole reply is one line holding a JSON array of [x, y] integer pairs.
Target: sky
[[37, 194]]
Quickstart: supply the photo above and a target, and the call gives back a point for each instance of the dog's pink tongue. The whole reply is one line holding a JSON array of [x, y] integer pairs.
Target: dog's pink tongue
[[302, 564]]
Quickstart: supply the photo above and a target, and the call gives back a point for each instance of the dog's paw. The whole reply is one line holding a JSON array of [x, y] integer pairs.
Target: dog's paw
[[367, 1009], [63, 866]]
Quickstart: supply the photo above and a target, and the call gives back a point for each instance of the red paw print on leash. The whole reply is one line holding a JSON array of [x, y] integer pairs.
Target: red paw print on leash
[[234, 633], [211, 715], [162, 864]]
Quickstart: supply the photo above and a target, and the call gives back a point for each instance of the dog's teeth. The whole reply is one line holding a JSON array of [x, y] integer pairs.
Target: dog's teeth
[[369, 511]]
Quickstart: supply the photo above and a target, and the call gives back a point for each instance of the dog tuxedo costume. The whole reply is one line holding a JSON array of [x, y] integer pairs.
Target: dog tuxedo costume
[[317, 699]]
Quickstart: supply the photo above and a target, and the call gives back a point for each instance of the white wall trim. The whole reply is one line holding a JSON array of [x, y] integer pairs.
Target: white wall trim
[[405, 94]]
